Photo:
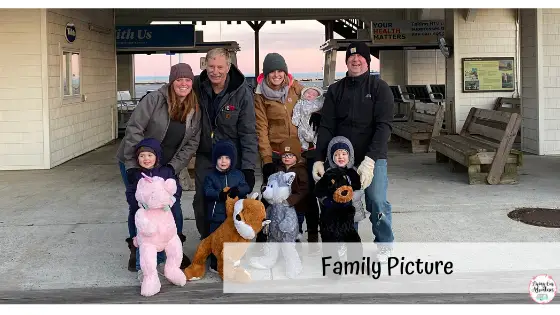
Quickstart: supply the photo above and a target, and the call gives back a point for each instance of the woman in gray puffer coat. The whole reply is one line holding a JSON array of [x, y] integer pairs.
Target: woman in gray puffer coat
[[172, 116]]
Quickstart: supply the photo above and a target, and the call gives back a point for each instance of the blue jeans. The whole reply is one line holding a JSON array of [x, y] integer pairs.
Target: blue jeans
[[378, 206]]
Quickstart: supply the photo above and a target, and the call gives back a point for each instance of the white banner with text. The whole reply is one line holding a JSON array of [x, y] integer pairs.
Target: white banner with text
[[410, 268]]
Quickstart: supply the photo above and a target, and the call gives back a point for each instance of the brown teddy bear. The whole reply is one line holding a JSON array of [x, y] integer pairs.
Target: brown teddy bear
[[245, 218]]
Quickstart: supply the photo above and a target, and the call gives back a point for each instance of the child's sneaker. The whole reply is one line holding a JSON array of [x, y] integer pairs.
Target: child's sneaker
[[299, 238]]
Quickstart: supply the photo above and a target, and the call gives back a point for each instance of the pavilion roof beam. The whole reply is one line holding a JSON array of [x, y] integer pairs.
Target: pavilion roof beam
[[256, 26], [145, 16]]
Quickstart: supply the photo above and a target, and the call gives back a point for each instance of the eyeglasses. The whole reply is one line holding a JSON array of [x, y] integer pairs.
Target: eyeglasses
[[288, 155]]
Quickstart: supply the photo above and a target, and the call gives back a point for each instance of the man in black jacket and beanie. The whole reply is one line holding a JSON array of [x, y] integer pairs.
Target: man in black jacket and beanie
[[360, 108], [228, 112]]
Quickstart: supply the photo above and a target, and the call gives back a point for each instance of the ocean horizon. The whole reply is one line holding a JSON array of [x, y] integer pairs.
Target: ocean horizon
[[299, 76], [145, 83]]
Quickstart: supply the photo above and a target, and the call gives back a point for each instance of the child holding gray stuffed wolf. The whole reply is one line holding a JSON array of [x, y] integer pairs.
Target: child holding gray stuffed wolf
[[283, 226], [292, 162]]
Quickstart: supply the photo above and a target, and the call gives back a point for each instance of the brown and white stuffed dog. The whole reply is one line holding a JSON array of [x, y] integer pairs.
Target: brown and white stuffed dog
[[245, 218]]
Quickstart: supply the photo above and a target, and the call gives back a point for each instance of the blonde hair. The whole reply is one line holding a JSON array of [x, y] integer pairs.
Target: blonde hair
[[180, 110]]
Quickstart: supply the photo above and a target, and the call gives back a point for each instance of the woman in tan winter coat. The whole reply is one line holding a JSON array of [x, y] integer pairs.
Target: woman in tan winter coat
[[275, 97]]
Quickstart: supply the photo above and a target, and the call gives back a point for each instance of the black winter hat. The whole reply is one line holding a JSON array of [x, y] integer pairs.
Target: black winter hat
[[272, 62], [221, 148], [340, 146], [359, 48]]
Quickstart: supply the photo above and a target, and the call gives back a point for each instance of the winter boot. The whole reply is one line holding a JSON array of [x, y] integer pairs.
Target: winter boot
[[261, 237], [186, 261], [132, 259]]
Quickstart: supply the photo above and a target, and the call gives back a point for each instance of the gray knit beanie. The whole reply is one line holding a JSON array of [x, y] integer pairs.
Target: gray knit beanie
[[272, 62], [180, 70]]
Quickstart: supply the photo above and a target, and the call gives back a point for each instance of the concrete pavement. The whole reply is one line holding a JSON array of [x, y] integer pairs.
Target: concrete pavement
[[65, 227]]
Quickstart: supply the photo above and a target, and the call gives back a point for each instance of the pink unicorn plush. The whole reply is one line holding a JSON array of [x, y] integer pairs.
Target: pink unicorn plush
[[157, 232]]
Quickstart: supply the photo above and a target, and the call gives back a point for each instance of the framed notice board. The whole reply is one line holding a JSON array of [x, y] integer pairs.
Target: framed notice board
[[491, 74]]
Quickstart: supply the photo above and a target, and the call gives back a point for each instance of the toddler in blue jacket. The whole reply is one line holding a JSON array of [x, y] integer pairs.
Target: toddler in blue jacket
[[223, 175]]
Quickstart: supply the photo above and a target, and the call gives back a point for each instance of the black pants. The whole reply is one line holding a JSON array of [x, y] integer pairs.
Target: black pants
[[312, 213], [277, 160], [213, 259], [202, 166]]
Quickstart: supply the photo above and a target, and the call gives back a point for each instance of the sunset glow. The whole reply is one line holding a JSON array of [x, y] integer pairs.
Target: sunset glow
[[297, 41]]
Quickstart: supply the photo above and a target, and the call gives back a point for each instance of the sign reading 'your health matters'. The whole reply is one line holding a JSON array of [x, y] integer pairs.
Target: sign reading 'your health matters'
[[407, 32]]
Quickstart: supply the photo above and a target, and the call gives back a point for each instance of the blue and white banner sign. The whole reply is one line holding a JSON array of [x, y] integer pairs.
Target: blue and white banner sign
[[155, 36]]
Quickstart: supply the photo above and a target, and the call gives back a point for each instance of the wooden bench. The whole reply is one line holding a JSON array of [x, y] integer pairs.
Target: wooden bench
[[399, 99], [419, 93], [424, 122], [502, 103], [437, 93], [512, 105], [484, 147]]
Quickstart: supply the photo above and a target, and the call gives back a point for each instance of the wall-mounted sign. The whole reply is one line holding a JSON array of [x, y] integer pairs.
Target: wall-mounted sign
[[155, 36], [70, 32], [406, 32], [489, 74]]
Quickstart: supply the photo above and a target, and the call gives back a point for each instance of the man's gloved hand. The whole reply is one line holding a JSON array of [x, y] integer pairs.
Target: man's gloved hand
[[132, 174], [233, 192], [365, 170], [249, 178], [314, 121], [268, 169], [223, 195], [318, 170]]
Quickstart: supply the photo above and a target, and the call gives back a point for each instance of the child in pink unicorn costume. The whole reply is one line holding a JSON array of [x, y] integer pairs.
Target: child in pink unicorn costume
[[157, 232]]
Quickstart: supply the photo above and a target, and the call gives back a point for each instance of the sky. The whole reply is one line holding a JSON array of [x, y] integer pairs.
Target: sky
[[297, 41]]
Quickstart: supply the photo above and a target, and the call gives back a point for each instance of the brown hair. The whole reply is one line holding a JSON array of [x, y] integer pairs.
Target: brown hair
[[179, 110]]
